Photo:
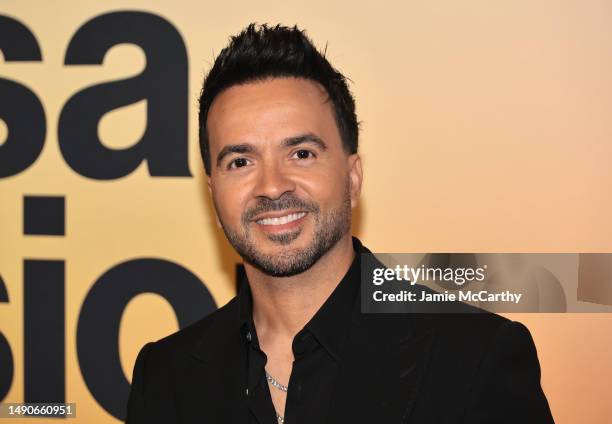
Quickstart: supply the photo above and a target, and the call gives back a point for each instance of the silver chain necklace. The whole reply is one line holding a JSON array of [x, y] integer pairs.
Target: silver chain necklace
[[274, 382]]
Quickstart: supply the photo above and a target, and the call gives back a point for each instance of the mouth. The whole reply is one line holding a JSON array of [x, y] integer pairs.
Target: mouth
[[280, 222]]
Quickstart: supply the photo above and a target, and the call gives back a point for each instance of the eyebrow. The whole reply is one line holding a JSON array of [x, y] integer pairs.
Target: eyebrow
[[305, 138], [287, 142], [233, 148]]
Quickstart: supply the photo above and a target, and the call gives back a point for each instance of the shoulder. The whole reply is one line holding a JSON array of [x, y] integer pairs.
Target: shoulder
[[159, 363], [211, 329], [469, 332]]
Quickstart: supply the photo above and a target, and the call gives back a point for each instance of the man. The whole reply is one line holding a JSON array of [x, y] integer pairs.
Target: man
[[278, 135]]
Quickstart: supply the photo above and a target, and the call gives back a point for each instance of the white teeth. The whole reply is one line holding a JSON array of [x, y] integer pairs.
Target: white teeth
[[281, 219]]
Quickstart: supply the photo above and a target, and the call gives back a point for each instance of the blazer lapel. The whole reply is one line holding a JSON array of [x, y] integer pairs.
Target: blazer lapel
[[212, 386], [407, 365], [381, 372]]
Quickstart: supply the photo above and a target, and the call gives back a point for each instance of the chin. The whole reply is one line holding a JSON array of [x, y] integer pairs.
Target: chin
[[282, 241]]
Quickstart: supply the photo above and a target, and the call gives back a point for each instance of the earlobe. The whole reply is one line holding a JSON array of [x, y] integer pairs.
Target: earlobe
[[218, 222], [356, 178], [210, 191]]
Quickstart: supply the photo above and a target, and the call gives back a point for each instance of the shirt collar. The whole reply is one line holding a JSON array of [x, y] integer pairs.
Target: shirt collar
[[330, 324]]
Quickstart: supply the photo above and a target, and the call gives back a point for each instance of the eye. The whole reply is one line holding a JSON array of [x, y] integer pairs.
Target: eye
[[238, 163], [303, 154]]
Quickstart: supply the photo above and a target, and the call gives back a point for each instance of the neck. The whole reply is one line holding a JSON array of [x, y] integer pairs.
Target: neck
[[282, 306]]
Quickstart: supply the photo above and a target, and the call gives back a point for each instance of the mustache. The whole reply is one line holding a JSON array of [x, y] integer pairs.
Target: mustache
[[286, 201]]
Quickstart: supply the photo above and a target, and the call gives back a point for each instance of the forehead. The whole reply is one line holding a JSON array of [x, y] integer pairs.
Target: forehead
[[270, 109]]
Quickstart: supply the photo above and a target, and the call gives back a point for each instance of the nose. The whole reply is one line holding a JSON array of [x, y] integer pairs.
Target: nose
[[273, 181]]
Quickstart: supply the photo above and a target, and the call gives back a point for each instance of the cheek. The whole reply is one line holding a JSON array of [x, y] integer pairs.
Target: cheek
[[229, 203], [328, 189]]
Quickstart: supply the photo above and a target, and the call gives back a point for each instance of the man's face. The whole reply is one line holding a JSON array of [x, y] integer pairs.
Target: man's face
[[282, 184]]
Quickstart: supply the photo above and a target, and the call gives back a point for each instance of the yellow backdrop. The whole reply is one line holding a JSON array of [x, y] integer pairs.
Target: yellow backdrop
[[486, 128]]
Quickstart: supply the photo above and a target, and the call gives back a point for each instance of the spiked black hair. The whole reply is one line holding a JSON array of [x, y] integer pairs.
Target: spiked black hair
[[261, 52]]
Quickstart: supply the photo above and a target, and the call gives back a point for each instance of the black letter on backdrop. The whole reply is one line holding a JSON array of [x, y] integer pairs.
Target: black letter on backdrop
[[44, 334], [6, 357], [163, 84], [100, 317], [20, 109]]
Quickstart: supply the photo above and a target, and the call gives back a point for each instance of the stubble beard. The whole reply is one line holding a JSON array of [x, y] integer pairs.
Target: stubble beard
[[329, 228]]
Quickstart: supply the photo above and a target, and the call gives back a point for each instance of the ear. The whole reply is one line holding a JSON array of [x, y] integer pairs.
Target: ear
[[355, 178], [210, 191]]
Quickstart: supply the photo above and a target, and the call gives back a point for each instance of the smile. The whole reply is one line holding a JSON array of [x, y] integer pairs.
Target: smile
[[281, 220]]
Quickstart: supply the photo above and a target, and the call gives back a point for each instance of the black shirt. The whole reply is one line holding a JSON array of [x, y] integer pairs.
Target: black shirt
[[317, 349]]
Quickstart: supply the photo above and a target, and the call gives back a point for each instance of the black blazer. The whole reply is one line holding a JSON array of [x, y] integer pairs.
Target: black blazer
[[409, 368]]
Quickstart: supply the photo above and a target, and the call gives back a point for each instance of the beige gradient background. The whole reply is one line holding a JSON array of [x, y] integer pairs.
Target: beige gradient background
[[486, 128]]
